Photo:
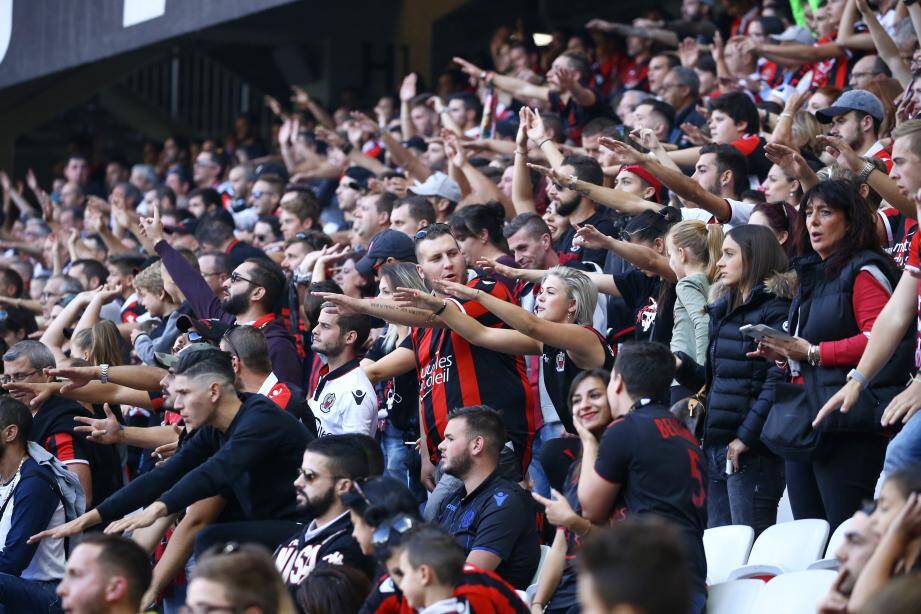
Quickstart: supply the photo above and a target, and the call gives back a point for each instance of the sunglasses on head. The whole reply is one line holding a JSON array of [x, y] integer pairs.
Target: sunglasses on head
[[430, 228], [389, 533]]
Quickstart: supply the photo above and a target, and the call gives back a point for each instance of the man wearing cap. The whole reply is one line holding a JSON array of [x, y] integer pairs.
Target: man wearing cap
[[855, 118], [442, 191], [387, 246]]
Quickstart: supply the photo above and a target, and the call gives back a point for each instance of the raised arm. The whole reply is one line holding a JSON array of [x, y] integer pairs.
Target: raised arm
[[639, 255], [518, 88], [862, 41], [53, 337], [626, 203], [139, 377], [885, 46], [522, 188]]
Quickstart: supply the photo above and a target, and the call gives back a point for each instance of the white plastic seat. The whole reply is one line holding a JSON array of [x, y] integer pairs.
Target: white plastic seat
[[797, 592], [784, 511], [544, 551], [837, 538], [785, 547], [733, 597], [726, 548]]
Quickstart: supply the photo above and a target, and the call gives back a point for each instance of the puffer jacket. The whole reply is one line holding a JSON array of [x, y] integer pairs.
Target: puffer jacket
[[740, 390]]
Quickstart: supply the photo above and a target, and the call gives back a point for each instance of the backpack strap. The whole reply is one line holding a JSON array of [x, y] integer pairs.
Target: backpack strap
[[57, 490]]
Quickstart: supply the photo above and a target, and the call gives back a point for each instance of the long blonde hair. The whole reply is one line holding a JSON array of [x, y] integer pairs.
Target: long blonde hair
[[703, 241]]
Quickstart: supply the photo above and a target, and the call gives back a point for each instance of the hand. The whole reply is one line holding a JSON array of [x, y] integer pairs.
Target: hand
[[695, 134], [557, 509], [689, 52], [272, 103], [456, 290], [41, 391], [454, 149], [364, 122], [408, 87], [331, 137], [590, 237], [782, 349], [796, 101], [31, 181], [844, 399], [427, 471], [152, 227], [536, 130], [410, 297], [563, 78], [846, 156], [787, 158], [299, 97], [834, 602], [490, 266], [734, 450], [162, 453], [588, 438], [77, 376], [905, 405], [469, 68], [5, 183], [106, 430], [907, 524], [647, 138], [343, 305], [108, 292], [623, 153], [716, 49], [68, 529], [521, 139], [138, 521]]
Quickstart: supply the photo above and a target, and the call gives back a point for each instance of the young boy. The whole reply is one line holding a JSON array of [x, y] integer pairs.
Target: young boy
[[433, 567]]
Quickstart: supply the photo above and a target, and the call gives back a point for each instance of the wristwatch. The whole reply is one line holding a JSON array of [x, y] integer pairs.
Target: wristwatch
[[865, 171], [104, 374], [858, 377], [572, 182]]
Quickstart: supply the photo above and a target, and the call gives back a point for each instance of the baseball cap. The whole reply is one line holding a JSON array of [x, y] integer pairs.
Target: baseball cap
[[646, 176], [438, 184], [361, 176], [168, 360], [388, 243], [853, 100], [794, 34], [211, 330]]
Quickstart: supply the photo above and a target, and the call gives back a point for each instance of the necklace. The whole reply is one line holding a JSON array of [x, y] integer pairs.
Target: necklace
[[14, 481]]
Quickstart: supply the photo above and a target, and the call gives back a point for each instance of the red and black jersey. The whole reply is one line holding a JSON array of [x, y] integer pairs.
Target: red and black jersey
[[132, 309], [833, 72], [633, 75], [485, 591], [752, 147], [453, 373], [900, 230]]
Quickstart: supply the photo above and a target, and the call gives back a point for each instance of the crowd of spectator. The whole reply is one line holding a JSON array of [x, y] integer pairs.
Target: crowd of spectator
[[508, 343]]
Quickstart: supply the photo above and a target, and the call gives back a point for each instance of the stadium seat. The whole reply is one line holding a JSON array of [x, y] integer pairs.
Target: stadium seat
[[544, 551], [797, 592], [726, 548], [785, 547], [837, 538], [784, 511], [733, 597]]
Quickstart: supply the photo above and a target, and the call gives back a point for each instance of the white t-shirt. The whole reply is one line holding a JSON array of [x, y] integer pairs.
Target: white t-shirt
[[344, 402]]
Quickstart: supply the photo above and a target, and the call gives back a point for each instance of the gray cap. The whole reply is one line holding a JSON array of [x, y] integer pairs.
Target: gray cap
[[438, 184], [168, 360], [853, 100], [794, 34]]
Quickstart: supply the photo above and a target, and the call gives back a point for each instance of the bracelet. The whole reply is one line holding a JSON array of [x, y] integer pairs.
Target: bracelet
[[523, 153], [104, 373], [864, 173], [441, 310], [785, 114], [541, 144], [813, 357], [858, 377]]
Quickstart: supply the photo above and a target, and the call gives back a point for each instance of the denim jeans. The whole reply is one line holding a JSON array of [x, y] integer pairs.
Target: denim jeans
[[749, 496], [18, 595], [539, 482], [402, 461], [905, 448]]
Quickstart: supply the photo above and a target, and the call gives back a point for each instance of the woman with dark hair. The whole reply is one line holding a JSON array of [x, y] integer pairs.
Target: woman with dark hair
[[478, 230], [782, 218], [754, 288], [845, 279], [332, 589], [588, 404]]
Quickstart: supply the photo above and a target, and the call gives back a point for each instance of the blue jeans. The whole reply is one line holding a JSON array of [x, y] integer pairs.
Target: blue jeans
[[402, 462], [905, 448], [539, 482], [18, 595], [749, 496]]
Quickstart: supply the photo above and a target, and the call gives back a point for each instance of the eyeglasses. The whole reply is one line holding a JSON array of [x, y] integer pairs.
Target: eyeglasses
[[18, 377], [388, 534], [440, 227], [235, 277], [310, 477], [257, 193]]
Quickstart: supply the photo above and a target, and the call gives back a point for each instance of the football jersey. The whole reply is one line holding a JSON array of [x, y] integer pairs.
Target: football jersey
[[344, 401]]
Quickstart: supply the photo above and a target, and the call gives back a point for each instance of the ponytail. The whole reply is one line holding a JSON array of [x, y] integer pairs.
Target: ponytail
[[703, 241]]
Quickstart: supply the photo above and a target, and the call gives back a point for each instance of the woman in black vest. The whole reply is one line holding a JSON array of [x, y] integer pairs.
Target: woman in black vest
[[754, 288], [845, 279]]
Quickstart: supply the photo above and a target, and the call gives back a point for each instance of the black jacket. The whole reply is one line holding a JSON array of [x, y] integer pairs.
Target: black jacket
[[256, 459], [823, 311], [740, 390]]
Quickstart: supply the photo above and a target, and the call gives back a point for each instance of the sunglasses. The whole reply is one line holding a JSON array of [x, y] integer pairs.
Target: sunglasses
[[389, 533], [440, 227], [310, 477], [235, 277]]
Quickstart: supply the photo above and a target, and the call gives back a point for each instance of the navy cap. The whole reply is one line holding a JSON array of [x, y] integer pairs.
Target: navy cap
[[853, 100], [387, 243]]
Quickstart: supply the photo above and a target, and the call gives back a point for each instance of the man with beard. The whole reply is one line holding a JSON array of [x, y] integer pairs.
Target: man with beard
[[860, 540], [330, 467], [252, 295], [855, 118], [245, 450], [345, 400], [579, 208], [490, 516]]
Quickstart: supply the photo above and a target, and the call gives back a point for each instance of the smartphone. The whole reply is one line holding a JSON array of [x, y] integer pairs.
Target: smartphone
[[760, 331], [729, 468]]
